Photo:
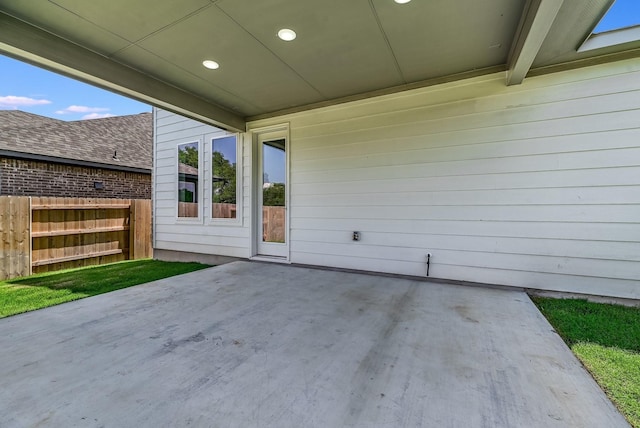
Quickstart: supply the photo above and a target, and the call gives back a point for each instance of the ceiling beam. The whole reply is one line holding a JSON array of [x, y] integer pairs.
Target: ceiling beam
[[536, 21], [31, 44]]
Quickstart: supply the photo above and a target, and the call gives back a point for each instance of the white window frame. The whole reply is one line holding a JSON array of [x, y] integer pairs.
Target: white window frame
[[209, 138], [201, 199]]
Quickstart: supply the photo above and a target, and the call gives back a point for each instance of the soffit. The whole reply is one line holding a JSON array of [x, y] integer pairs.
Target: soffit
[[154, 65], [132, 20], [69, 26], [247, 69], [344, 48], [340, 49], [442, 37]]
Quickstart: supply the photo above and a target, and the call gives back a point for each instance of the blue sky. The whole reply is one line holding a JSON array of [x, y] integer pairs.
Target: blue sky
[[623, 13], [35, 90]]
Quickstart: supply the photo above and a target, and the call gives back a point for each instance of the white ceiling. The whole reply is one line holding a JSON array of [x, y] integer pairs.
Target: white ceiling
[[345, 48]]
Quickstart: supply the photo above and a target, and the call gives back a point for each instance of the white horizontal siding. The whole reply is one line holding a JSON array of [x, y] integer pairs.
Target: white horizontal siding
[[577, 248], [585, 177], [617, 232], [208, 248], [200, 236], [536, 185]]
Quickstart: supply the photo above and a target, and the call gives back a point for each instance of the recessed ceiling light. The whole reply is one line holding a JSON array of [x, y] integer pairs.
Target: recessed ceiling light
[[211, 65], [402, 1], [286, 34]]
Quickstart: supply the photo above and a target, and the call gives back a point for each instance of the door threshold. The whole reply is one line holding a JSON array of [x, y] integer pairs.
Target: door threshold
[[273, 259]]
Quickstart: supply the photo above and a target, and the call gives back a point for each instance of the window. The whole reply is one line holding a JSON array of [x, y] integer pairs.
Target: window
[[224, 177], [188, 179]]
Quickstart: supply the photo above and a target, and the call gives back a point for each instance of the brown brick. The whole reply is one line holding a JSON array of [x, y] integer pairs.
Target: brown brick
[[34, 178]]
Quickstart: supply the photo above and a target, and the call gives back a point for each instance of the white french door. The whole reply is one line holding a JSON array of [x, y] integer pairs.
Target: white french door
[[272, 201]]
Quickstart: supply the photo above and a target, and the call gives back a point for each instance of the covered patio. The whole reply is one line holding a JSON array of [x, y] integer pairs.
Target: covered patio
[[495, 139], [250, 344]]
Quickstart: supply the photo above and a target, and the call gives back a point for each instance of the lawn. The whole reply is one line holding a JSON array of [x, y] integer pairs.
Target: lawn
[[606, 338], [48, 289]]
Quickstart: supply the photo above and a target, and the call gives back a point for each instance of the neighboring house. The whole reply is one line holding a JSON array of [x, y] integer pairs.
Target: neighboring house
[[498, 140], [105, 158]]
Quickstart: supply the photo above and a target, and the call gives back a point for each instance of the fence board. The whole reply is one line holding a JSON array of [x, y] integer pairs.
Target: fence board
[[15, 225], [89, 240], [140, 230], [75, 258], [78, 231]]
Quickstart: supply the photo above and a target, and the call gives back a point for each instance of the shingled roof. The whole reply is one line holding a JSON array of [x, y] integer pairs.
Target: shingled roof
[[22, 119], [120, 142]]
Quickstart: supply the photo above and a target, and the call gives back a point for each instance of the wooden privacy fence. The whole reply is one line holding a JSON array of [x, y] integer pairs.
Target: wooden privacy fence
[[190, 209], [221, 210], [273, 227], [273, 217], [42, 234]]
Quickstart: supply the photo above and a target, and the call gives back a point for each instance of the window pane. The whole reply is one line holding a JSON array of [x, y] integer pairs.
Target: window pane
[[188, 176], [223, 177]]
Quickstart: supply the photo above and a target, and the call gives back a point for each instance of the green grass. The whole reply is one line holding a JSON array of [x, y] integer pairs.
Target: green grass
[[42, 290], [606, 338]]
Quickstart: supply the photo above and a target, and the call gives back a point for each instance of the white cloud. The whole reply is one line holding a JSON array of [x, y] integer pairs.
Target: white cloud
[[96, 116], [15, 101], [82, 109]]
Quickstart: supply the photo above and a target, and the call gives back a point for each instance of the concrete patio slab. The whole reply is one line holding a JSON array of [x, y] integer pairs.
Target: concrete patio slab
[[269, 345]]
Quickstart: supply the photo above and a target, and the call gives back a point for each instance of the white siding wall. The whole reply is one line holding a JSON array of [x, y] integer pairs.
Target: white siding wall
[[202, 236], [536, 185]]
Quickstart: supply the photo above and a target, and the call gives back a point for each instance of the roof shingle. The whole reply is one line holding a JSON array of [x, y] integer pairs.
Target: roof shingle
[[124, 141]]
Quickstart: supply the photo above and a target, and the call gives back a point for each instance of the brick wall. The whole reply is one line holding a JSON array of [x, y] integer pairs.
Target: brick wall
[[20, 177]]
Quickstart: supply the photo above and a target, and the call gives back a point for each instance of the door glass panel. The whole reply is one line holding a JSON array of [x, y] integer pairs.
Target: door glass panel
[[273, 191]]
